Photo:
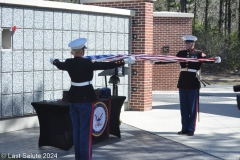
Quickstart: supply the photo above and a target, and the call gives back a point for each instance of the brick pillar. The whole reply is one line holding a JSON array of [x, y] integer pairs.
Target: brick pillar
[[141, 100], [168, 29]]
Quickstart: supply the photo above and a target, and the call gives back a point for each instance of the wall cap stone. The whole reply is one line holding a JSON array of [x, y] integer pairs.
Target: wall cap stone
[[172, 14], [100, 1], [69, 6]]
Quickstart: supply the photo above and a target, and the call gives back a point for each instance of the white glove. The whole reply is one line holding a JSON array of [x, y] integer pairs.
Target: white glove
[[51, 60], [218, 59], [130, 60], [152, 62]]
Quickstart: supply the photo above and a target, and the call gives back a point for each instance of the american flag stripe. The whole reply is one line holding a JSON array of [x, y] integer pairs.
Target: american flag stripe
[[144, 57]]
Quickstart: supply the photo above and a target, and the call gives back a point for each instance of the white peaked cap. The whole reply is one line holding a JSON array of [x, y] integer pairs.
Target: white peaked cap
[[189, 38], [78, 43]]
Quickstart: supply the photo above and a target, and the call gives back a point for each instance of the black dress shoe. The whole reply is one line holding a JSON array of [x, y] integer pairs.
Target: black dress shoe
[[182, 132], [190, 133]]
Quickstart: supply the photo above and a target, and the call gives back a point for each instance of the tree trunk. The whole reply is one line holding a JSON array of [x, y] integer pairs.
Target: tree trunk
[[220, 21], [195, 12], [206, 16], [229, 19], [225, 19], [168, 5], [183, 5], [239, 20], [239, 32]]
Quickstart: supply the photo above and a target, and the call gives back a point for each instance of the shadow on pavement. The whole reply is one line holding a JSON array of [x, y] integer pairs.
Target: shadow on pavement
[[134, 144], [229, 110]]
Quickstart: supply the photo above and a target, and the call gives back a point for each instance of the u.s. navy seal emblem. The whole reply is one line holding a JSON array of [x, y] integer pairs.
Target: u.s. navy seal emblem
[[100, 118]]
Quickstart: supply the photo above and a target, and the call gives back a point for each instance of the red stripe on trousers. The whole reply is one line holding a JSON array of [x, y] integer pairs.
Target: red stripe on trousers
[[196, 113], [90, 134]]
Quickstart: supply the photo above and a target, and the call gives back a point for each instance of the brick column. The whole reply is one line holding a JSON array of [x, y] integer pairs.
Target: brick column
[[141, 100], [168, 29]]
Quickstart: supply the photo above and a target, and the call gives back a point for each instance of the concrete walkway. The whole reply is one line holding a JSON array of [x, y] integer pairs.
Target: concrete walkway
[[217, 133], [135, 144], [151, 135]]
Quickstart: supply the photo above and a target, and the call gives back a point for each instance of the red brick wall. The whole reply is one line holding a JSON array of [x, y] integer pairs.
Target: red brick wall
[[142, 99], [167, 31]]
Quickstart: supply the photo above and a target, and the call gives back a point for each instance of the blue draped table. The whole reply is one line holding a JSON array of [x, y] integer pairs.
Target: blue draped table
[[56, 125]]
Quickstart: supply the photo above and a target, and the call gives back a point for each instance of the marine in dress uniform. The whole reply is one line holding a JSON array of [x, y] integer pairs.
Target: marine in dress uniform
[[82, 95], [189, 85]]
